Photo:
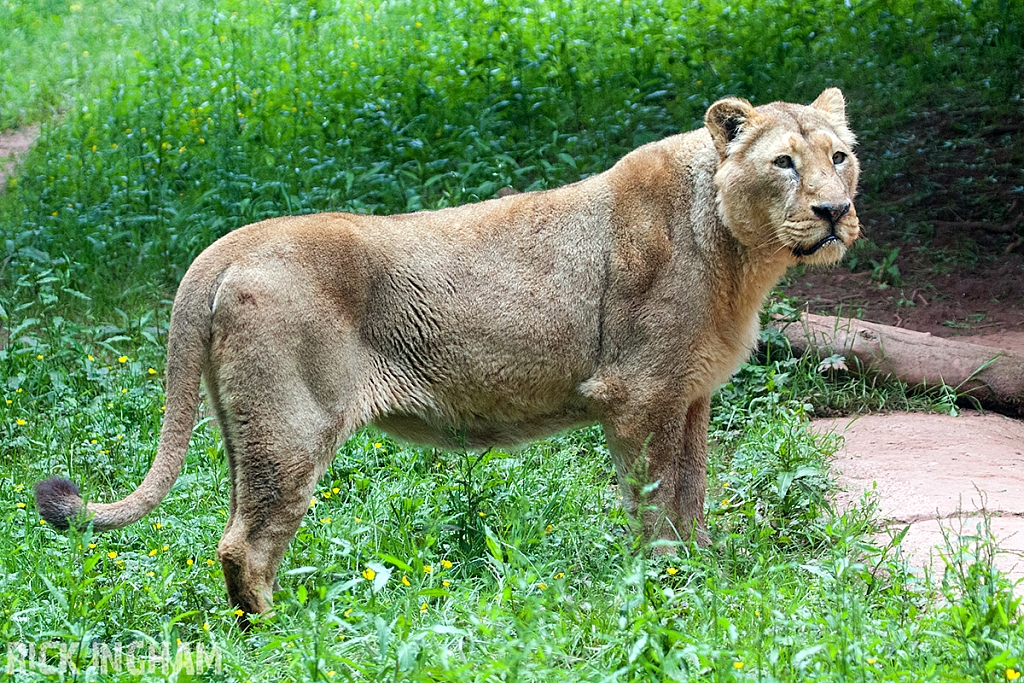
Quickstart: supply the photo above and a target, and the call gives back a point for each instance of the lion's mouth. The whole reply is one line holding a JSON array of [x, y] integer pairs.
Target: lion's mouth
[[814, 248]]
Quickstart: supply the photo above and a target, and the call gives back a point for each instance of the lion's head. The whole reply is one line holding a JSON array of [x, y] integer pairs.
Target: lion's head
[[787, 176]]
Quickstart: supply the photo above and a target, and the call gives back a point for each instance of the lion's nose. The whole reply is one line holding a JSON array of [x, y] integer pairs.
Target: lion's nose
[[831, 212]]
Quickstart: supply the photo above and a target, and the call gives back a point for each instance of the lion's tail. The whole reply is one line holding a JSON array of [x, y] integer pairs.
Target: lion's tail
[[58, 499]]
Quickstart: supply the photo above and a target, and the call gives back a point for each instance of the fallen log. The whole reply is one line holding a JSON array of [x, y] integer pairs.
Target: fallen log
[[993, 377]]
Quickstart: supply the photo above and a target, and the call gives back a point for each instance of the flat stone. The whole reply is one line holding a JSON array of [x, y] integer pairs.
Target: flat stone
[[933, 472]]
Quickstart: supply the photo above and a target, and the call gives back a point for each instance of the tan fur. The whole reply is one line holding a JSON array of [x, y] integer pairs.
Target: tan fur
[[624, 299]]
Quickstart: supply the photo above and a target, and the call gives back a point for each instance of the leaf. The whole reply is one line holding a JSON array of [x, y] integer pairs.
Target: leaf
[[803, 655], [445, 630], [383, 637], [381, 576], [395, 561], [638, 648], [493, 545], [301, 571], [58, 594]]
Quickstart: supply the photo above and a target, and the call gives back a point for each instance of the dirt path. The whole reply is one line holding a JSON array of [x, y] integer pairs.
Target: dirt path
[[14, 143], [925, 470]]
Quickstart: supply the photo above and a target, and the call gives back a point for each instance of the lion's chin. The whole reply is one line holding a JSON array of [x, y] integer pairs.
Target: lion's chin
[[826, 251]]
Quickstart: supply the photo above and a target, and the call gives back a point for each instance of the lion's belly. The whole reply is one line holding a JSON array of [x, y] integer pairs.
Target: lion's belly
[[434, 430]]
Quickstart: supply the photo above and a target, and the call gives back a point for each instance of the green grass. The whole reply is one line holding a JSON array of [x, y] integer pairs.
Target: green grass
[[189, 120]]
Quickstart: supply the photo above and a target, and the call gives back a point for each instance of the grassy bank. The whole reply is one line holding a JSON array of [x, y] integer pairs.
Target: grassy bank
[[188, 120]]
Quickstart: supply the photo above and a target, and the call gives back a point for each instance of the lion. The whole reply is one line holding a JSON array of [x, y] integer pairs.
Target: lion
[[624, 299]]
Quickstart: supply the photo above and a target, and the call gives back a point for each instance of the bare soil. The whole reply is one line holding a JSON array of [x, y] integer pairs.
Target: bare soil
[[14, 143], [933, 472]]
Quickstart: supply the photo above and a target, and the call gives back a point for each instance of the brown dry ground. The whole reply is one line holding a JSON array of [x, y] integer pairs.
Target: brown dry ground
[[14, 143]]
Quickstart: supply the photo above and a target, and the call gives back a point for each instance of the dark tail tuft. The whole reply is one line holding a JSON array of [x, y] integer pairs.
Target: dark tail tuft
[[58, 501]]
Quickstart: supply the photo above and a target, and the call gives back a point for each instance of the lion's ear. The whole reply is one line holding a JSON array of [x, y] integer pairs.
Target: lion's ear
[[832, 103], [724, 120]]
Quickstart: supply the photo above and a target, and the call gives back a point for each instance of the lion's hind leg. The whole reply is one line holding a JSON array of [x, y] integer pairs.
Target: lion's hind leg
[[277, 454], [289, 379]]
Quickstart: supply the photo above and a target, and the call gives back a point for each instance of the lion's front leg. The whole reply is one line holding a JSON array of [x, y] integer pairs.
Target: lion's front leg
[[660, 459]]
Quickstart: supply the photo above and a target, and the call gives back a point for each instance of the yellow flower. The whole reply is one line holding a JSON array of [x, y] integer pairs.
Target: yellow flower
[[150, 574], [369, 574], [92, 546], [111, 554], [377, 444], [158, 525], [1012, 674], [239, 613], [482, 514], [419, 24], [559, 575], [737, 665], [18, 390], [20, 505], [151, 371], [548, 529], [325, 520], [335, 490], [312, 502], [9, 401], [427, 569], [94, 148], [20, 422], [113, 146], [42, 522], [206, 626], [358, 520], [405, 581], [189, 562], [725, 503], [446, 583], [209, 562], [542, 586], [872, 660], [39, 356], [445, 564], [122, 359], [671, 571], [327, 494], [165, 547], [423, 608]]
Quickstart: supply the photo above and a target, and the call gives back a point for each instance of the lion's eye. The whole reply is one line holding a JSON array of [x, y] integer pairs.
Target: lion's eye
[[838, 158], [783, 161]]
